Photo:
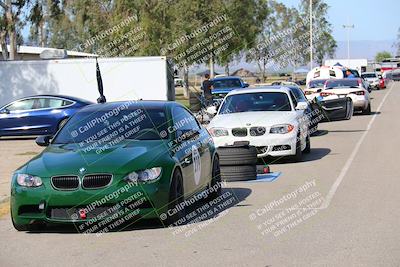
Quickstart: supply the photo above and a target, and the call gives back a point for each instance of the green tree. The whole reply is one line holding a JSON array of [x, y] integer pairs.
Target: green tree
[[10, 25], [277, 46], [380, 56], [324, 45]]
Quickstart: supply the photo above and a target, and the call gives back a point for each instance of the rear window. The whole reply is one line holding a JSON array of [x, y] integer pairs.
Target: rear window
[[227, 83], [341, 83], [368, 75], [316, 83]]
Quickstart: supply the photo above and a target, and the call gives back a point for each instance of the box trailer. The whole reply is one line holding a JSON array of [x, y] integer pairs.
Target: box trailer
[[128, 78]]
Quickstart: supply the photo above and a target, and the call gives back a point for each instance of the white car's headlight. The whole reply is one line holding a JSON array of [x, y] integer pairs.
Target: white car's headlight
[[281, 129], [217, 132], [28, 180], [146, 176]]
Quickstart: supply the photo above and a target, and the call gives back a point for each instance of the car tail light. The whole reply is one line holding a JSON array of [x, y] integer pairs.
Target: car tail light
[[325, 94], [308, 92], [359, 93], [359, 82]]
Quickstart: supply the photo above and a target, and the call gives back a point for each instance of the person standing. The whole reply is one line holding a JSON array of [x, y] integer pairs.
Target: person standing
[[349, 74], [206, 87]]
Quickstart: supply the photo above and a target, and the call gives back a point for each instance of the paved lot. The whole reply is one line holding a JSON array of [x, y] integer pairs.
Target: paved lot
[[339, 207]]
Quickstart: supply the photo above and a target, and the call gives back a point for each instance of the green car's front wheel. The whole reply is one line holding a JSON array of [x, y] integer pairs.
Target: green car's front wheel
[[26, 227]]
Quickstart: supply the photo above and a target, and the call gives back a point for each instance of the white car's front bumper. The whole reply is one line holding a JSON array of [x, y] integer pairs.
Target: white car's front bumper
[[267, 144]]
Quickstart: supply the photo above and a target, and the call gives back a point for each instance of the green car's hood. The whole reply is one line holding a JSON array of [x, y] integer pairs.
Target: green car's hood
[[120, 159]]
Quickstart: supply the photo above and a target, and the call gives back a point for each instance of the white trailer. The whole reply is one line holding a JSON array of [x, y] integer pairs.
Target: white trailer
[[359, 64], [129, 78]]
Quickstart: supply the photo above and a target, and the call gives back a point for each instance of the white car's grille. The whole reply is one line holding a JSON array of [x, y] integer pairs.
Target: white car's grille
[[239, 132]]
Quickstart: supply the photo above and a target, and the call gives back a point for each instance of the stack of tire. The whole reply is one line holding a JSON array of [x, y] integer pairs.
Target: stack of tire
[[238, 162]]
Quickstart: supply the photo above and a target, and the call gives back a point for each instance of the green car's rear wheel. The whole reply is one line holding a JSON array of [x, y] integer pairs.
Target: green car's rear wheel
[[176, 197], [215, 185]]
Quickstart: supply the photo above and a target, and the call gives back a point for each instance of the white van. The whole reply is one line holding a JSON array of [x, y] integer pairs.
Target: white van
[[325, 72]]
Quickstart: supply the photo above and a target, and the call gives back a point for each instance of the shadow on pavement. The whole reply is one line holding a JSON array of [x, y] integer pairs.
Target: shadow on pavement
[[347, 131], [201, 211], [315, 154]]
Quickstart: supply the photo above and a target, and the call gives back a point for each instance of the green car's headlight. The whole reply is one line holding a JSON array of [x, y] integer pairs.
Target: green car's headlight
[[146, 176], [28, 180]]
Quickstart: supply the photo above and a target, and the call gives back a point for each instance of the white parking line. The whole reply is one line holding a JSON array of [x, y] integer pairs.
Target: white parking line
[[349, 161]]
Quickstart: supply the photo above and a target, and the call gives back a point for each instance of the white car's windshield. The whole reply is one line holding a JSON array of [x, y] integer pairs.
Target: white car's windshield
[[266, 101]]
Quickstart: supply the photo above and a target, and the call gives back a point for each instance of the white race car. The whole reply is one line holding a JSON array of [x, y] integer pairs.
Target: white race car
[[269, 118], [353, 88]]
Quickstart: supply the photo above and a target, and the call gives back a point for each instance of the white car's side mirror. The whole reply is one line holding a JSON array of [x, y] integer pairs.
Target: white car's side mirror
[[301, 106], [212, 110]]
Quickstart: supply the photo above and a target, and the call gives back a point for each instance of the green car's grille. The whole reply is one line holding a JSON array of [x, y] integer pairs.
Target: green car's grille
[[65, 182], [94, 181]]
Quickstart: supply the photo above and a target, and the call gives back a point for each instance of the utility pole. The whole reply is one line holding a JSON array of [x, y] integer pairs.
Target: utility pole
[[311, 36], [348, 27]]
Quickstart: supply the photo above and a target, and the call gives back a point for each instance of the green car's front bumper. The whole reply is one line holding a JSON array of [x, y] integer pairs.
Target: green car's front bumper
[[42, 204]]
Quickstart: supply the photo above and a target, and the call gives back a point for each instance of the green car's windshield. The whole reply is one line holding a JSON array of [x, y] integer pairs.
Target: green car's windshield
[[108, 126]]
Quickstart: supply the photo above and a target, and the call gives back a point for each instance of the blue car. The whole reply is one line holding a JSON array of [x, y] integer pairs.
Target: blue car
[[38, 115], [223, 85]]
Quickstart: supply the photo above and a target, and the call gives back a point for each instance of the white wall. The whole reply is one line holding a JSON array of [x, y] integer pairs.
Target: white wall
[[123, 78]]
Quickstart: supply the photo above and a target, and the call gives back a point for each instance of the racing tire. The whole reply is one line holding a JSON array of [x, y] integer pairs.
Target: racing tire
[[232, 156], [299, 154], [238, 173], [307, 150], [215, 185], [367, 111], [176, 197]]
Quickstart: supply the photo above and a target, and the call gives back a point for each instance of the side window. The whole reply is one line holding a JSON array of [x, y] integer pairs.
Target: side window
[[184, 121], [21, 105], [56, 103], [66, 103], [332, 73], [293, 99]]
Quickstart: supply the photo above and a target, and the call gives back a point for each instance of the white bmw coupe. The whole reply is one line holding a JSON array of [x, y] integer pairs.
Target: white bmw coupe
[[270, 118]]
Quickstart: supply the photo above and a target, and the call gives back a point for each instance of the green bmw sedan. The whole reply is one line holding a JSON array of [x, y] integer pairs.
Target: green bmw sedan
[[117, 162]]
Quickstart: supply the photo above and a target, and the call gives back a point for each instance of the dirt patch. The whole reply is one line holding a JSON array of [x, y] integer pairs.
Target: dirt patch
[[4, 208]]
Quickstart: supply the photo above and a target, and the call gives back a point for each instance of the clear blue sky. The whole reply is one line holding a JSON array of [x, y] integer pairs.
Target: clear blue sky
[[373, 19]]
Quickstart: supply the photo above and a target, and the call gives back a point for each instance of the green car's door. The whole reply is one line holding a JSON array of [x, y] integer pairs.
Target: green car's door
[[188, 149]]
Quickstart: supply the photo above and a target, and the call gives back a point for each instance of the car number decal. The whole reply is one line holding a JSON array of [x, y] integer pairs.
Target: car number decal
[[196, 164]]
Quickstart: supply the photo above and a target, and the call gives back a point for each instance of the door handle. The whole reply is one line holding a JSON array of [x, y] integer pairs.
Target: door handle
[[333, 108]]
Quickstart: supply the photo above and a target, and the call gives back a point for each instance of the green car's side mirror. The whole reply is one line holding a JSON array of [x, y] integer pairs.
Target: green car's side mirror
[[43, 140]]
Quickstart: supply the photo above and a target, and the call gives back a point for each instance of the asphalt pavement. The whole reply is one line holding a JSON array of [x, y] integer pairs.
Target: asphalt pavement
[[340, 206]]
